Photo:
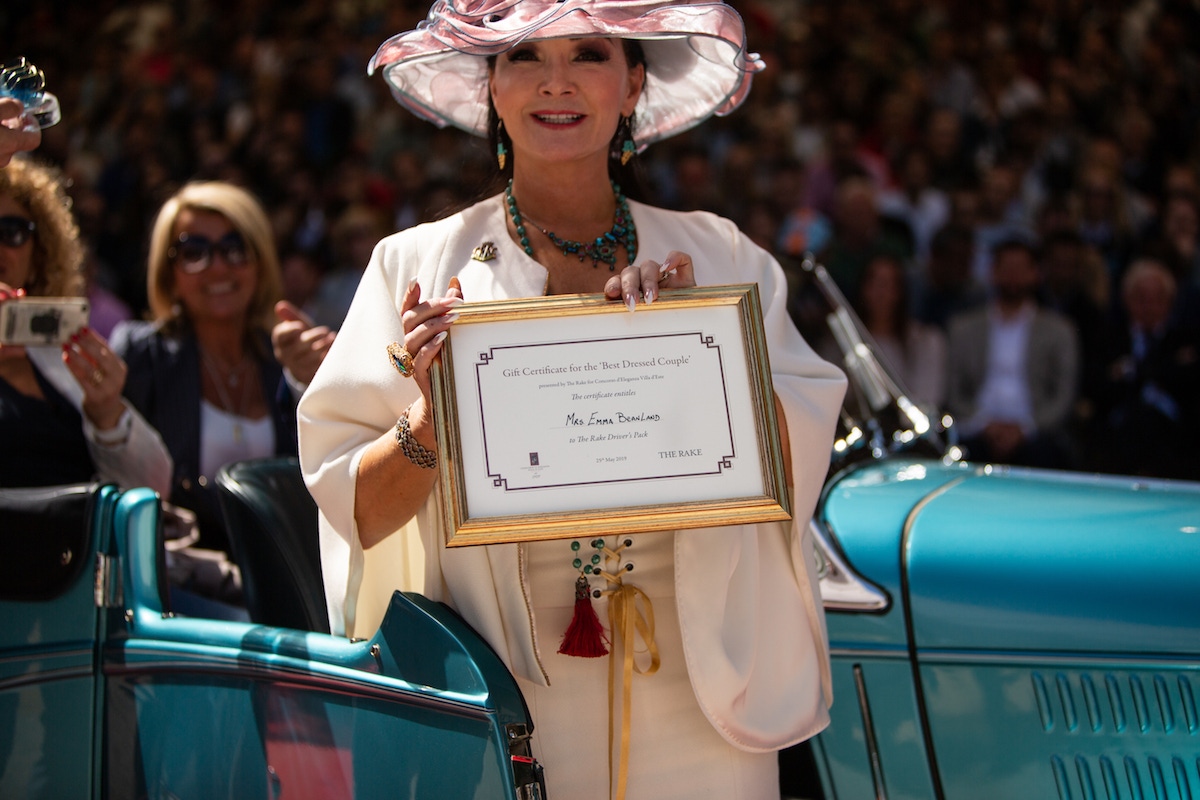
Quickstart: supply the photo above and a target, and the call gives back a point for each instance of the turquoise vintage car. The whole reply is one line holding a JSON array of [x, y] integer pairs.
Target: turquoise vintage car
[[998, 632], [105, 694], [1003, 633], [995, 633]]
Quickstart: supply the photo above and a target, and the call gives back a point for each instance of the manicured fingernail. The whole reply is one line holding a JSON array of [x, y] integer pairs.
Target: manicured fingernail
[[630, 302], [441, 337], [19, 293], [454, 284], [448, 318], [412, 285], [651, 294], [454, 301]]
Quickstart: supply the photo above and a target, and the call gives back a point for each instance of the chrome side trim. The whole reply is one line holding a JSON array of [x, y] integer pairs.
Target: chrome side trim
[[864, 705], [842, 589], [107, 588], [858, 653], [929, 656], [291, 676]]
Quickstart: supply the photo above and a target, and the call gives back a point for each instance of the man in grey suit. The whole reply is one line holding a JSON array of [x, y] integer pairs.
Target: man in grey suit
[[1013, 369]]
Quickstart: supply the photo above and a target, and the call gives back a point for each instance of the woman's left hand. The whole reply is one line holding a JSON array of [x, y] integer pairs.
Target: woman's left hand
[[645, 280], [299, 345], [101, 373]]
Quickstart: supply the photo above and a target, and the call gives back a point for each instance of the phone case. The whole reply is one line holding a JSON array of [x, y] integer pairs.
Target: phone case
[[41, 320]]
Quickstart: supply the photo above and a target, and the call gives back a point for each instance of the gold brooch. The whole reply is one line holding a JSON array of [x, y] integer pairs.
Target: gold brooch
[[485, 252]]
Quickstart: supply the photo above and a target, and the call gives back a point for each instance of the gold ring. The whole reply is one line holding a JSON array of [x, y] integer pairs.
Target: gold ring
[[402, 360], [663, 277], [98, 376]]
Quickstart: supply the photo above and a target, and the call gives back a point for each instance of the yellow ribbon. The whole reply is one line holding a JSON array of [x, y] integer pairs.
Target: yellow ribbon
[[630, 614]]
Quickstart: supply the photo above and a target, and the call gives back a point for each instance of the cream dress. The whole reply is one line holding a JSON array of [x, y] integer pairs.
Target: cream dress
[[674, 751]]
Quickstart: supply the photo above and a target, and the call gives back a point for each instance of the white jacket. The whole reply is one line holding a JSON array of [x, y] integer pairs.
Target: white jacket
[[751, 618]]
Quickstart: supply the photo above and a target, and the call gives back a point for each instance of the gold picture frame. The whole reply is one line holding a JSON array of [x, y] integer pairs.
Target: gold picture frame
[[569, 416]]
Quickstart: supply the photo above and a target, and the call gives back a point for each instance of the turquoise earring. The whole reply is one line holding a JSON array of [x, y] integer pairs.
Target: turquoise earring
[[625, 137], [501, 150]]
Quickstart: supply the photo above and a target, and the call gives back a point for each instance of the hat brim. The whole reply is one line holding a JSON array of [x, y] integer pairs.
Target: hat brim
[[696, 60]]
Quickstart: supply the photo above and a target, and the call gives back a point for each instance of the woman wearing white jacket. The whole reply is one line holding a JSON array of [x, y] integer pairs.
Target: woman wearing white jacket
[[735, 665]]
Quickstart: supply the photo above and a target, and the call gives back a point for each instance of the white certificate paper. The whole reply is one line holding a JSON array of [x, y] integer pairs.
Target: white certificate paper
[[569, 414]]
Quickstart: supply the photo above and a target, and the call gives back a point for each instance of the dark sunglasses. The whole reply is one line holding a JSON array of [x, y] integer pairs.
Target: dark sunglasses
[[193, 253], [15, 231]]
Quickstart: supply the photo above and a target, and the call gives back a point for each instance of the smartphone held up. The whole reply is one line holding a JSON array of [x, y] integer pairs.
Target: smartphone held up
[[31, 321]]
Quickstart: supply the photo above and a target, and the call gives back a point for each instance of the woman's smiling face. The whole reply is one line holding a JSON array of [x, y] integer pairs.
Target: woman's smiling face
[[223, 291], [561, 99]]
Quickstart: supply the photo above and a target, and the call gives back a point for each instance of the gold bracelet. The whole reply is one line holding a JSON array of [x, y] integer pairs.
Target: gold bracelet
[[416, 452]]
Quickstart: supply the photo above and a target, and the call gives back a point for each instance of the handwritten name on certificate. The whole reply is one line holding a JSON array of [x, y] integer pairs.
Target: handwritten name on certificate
[[616, 410]]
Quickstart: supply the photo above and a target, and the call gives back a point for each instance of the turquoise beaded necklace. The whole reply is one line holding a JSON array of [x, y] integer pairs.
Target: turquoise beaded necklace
[[604, 248]]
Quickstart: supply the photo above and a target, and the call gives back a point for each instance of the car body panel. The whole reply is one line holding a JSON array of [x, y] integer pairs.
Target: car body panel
[[1041, 640], [843, 752], [1056, 561]]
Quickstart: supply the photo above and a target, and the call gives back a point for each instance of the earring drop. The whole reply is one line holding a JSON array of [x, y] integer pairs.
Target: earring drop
[[625, 136], [627, 152], [501, 150]]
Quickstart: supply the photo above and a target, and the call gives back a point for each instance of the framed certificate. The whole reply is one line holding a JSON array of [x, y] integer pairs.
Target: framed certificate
[[569, 416]]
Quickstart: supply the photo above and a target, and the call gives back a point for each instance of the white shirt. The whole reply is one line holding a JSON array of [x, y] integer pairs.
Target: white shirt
[[228, 438], [1004, 396]]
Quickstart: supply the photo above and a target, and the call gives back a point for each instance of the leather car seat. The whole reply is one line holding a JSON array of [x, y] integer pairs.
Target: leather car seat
[[272, 525], [45, 534]]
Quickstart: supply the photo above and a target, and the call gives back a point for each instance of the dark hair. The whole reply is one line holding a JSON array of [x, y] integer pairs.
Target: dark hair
[[627, 176], [900, 318], [1016, 242], [949, 238], [1065, 237]]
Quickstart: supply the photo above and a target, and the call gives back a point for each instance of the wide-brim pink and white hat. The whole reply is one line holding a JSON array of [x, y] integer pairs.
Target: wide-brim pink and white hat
[[697, 64]]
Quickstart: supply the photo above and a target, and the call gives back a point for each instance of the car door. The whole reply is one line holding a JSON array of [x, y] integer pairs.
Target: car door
[[48, 639], [202, 708]]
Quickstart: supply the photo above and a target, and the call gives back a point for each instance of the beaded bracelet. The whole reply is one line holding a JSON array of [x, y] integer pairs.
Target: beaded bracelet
[[416, 452]]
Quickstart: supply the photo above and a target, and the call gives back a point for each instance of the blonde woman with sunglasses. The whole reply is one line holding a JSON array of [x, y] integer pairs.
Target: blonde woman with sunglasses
[[203, 371]]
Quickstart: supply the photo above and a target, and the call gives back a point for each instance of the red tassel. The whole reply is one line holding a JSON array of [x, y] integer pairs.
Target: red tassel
[[585, 635]]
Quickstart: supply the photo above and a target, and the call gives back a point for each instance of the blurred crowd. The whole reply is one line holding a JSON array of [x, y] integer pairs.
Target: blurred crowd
[[928, 135]]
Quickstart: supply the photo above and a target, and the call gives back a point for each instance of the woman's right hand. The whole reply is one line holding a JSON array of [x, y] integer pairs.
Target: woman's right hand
[[426, 325], [390, 488]]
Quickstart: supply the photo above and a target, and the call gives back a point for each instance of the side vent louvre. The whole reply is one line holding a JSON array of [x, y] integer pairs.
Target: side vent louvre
[[1116, 702], [1121, 734]]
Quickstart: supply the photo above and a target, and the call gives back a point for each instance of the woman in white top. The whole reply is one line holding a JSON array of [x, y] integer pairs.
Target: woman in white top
[[734, 666], [203, 372]]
